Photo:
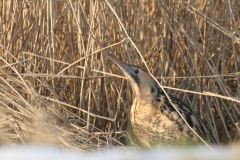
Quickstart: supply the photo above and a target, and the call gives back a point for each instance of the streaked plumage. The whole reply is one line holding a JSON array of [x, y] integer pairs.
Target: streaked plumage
[[154, 120]]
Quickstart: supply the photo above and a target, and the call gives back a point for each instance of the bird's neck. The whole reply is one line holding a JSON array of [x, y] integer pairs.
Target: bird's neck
[[143, 98], [145, 95], [141, 110]]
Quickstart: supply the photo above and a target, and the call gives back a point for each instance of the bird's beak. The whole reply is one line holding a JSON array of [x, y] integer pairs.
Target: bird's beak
[[127, 69]]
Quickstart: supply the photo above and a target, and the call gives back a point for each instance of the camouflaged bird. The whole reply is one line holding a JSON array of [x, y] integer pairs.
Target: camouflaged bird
[[153, 118]]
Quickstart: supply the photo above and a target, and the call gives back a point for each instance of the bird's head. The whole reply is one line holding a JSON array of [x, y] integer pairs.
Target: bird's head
[[141, 81]]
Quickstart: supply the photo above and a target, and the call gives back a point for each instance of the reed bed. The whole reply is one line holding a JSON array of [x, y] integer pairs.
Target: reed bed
[[57, 86]]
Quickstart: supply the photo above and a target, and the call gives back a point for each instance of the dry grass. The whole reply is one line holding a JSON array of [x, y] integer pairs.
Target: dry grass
[[56, 85]]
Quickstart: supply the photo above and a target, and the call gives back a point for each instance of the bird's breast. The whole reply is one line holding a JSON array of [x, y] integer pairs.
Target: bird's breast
[[150, 124]]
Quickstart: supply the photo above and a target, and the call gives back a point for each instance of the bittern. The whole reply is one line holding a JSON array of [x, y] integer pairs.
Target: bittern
[[153, 118]]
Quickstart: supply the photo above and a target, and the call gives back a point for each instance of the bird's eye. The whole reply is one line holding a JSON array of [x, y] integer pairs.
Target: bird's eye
[[136, 71]]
